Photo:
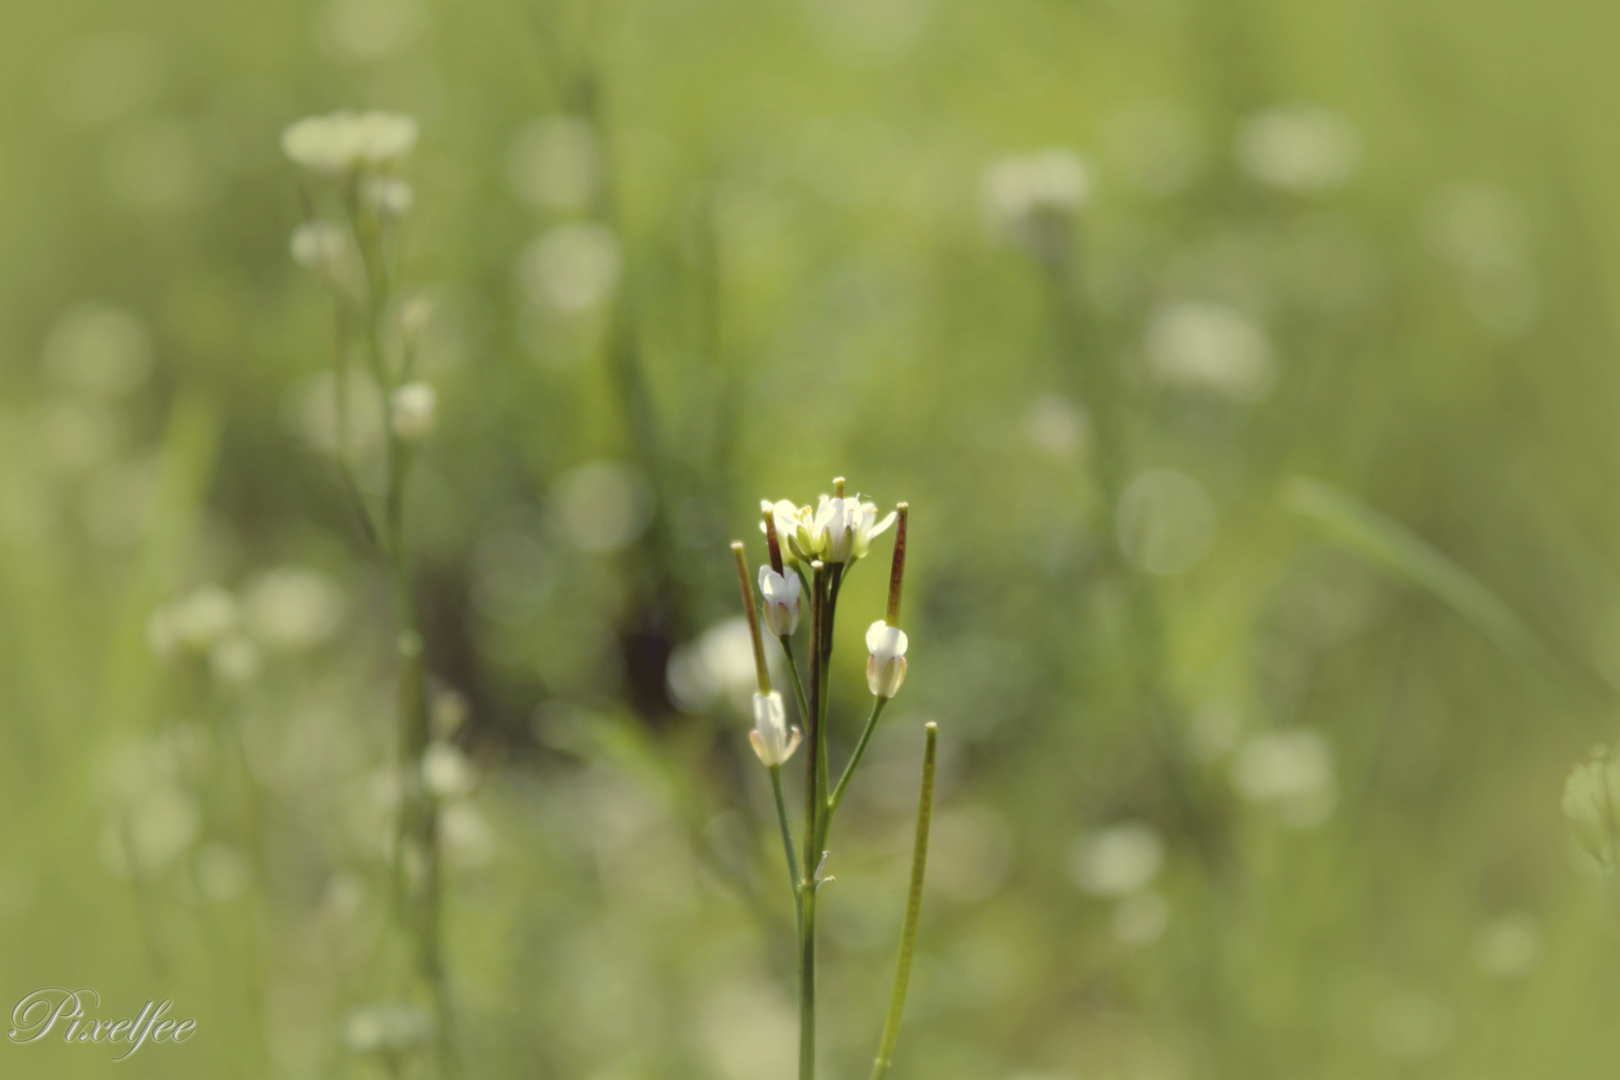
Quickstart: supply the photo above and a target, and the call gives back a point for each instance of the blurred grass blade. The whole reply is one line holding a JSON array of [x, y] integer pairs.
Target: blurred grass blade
[[1392, 545], [186, 467]]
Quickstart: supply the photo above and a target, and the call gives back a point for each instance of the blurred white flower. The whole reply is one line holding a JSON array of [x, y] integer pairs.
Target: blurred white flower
[[572, 269], [1509, 947], [773, 742], [1165, 522], [446, 772], [1292, 770], [1056, 426], [779, 596], [1211, 347], [467, 838], [1118, 860], [201, 617], [886, 666], [292, 607], [97, 349], [719, 662], [1024, 196], [413, 410], [1298, 148], [345, 140], [555, 162]]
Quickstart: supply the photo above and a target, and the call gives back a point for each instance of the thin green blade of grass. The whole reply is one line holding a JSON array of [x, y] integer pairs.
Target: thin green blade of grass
[[1386, 542]]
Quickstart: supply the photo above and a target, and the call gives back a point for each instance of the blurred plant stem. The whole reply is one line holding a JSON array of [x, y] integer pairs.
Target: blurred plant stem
[[908, 933], [418, 904]]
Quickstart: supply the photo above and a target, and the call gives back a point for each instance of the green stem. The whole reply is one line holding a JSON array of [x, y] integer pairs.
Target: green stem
[[908, 935], [855, 758], [793, 670], [787, 844], [813, 803]]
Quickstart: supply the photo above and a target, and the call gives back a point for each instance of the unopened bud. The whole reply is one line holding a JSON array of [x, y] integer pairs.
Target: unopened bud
[[886, 667]]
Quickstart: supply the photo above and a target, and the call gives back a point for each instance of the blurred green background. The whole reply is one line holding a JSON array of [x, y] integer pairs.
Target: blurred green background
[[1257, 670]]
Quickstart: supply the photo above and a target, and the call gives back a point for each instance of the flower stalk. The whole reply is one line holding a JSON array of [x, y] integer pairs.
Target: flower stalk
[[361, 151], [816, 549]]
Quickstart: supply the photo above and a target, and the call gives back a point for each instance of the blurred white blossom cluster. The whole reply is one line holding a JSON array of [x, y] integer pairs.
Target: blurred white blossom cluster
[[283, 609], [362, 154], [1120, 863], [1032, 198]]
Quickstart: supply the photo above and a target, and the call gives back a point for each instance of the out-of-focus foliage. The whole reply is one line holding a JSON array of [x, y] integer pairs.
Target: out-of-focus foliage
[[1257, 682]]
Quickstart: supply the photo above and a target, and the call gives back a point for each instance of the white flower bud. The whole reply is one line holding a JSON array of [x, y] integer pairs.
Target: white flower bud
[[886, 667], [779, 594], [414, 409], [773, 741]]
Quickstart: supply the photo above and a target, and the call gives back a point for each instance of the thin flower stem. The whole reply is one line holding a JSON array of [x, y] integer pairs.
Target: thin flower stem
[[787, 839], [812, 828], [418, 815], [908, 935], [855, 758], [798, 685], [823, 672]]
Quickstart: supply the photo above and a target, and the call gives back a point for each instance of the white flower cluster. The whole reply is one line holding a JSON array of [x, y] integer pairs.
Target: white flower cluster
[[1028, 198], [838, 530], [345, 140], [804, 543]]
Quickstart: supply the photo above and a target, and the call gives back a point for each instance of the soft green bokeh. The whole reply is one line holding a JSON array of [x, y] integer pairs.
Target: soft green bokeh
[[1354, 266]]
